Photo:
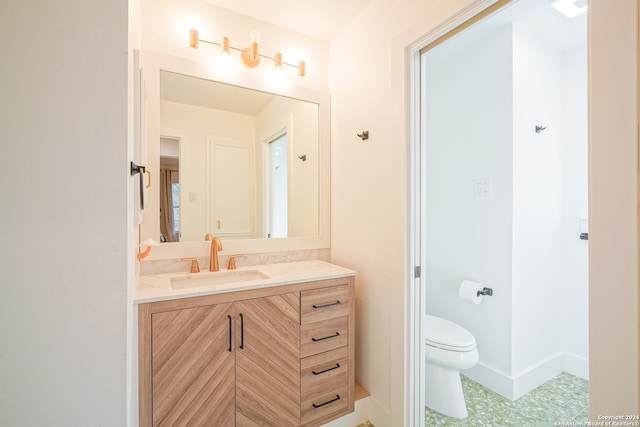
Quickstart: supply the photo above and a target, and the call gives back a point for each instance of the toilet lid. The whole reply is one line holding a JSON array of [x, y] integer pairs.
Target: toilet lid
[[445, 334]]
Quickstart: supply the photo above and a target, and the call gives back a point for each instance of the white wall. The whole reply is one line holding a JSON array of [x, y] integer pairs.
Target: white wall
[[575, 303], [64, 230], [469, 121], [550, 196], [537, 205]]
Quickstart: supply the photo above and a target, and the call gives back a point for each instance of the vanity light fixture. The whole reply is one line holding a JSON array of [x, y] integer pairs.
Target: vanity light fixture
[[249, 56]]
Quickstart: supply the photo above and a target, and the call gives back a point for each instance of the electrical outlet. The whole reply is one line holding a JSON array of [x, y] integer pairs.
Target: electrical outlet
[[482, 186]]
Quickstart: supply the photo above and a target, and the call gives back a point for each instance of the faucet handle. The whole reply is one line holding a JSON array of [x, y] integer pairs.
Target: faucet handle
[[195, 268], [232, 261]]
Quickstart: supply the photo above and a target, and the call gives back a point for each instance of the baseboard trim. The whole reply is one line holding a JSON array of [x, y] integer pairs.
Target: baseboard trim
[[491, 378], [576, 365], [537, 375], [514, 387]]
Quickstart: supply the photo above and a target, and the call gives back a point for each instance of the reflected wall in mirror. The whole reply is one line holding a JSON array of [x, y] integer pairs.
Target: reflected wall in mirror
[[235, 162]]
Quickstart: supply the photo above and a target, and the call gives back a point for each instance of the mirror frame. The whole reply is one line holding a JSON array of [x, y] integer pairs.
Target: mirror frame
[[150, 65]]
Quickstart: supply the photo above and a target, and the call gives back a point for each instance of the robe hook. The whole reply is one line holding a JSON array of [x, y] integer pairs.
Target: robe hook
[[364, 135]]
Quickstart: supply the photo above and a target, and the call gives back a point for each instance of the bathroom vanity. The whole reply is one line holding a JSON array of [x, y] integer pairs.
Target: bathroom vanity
[[269, 345]]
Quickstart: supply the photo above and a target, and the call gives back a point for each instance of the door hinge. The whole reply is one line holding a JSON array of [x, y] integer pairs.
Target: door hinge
[[416, 271]]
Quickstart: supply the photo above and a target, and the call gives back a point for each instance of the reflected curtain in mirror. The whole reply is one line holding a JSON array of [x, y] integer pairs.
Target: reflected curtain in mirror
[[169, 205]]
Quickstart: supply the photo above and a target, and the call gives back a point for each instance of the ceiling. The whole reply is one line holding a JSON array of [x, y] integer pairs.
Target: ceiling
[[320, 19]]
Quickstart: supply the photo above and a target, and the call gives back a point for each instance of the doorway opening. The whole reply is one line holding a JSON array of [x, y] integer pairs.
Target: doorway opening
[[277, 185], [169, 189], [503, 203]]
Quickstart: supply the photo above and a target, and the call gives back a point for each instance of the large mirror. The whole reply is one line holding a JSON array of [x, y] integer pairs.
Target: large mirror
[[233, 157], [235, 162]]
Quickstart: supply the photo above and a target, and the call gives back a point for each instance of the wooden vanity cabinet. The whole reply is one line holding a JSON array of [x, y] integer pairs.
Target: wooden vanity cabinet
[[326, 350], [280, 356], [193, 378], [267, 361]]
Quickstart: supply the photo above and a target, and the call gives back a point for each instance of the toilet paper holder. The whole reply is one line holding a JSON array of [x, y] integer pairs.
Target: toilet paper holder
[[486, 291]]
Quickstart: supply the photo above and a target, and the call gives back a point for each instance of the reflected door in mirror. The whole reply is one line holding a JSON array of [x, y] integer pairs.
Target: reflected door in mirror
[[230, 171]]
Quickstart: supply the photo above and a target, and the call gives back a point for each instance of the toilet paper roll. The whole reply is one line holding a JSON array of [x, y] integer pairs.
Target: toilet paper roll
[[469, 291]]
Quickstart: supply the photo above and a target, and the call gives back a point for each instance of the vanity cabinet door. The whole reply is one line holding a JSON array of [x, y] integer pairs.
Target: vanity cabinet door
[[268, 361], [193, 367]]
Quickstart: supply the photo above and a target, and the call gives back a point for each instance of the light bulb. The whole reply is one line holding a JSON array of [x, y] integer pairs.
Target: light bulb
[[255, 36], [193, 23], [223, 65], [300, 55]]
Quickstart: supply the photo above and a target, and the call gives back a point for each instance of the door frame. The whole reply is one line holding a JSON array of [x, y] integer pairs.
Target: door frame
[[416, 288]]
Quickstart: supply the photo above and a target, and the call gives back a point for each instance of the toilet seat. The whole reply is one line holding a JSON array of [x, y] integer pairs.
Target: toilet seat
[[444, 334]]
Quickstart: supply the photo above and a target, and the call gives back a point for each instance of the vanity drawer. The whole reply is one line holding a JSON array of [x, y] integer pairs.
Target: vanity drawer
[[324, 336], [324, 372], [324, 404], [322, 304]]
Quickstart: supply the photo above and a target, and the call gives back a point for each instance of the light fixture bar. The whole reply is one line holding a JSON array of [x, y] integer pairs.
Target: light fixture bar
[[247, 54]]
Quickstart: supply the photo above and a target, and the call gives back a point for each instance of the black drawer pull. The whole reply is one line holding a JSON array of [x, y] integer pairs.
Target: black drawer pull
[[326, 370], [241, 332], [230, 332], [326, 403], [337, 334], [331, 304]]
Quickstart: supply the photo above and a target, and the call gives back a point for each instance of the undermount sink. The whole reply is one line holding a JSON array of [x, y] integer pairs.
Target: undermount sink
[[217, 278]]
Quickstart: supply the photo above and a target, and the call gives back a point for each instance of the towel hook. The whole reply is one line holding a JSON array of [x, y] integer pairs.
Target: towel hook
[[364, 135], [540, 128]]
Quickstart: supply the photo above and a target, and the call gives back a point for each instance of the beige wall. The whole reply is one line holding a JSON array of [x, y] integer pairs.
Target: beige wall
[[613, 196]]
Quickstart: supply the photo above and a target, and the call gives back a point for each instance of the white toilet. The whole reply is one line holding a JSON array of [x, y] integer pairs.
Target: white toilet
[[449, 348]]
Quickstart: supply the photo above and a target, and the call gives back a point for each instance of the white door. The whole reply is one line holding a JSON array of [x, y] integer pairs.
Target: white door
[[231, 208]]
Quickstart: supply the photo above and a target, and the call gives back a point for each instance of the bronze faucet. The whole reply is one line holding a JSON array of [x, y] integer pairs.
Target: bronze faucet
[[216, 245]]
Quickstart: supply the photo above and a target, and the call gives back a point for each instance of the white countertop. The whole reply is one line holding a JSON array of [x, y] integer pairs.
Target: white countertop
[[157, 287]]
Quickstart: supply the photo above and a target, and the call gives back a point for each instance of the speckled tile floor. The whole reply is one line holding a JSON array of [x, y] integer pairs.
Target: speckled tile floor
[[564, 398]]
